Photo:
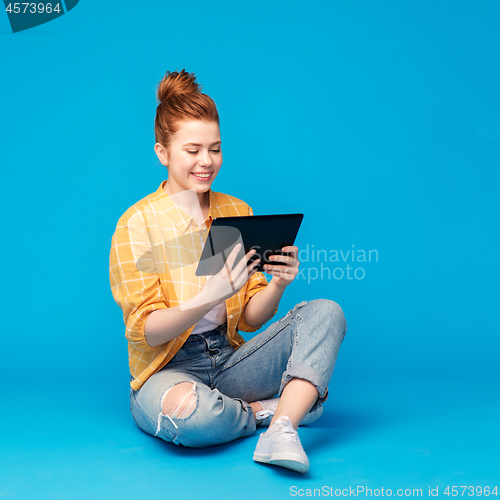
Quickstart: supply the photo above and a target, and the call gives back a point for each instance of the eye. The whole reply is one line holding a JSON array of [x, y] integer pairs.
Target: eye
[[196, 152]]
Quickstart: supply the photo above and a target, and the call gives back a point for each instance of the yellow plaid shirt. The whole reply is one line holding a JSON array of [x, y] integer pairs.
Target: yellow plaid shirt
[[149, 234]]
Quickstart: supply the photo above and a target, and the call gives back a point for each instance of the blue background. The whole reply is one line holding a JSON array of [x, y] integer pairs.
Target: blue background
[[379, 121]]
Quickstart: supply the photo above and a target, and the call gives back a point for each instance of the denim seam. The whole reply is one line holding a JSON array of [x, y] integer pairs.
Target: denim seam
[[345, 331], [309, 375], [297, 306], [225, 367], [211, 379]]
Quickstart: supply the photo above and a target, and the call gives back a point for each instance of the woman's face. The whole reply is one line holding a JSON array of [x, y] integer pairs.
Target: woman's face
[[194, 149]]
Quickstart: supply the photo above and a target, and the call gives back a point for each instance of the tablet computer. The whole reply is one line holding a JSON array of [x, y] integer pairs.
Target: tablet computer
[[267, 234]]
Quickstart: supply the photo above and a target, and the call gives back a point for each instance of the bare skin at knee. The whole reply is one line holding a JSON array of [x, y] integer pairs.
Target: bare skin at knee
[[180, 400]]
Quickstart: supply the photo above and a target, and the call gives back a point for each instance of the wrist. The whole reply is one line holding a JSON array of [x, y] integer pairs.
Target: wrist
[[274, 284]]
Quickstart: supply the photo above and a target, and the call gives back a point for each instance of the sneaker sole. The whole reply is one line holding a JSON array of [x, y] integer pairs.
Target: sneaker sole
[[286, 460]]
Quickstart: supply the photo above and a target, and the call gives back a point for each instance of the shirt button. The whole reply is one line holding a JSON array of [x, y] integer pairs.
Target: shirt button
[[230, 316]]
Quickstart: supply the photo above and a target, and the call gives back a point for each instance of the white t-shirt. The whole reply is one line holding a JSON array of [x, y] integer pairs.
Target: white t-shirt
[[215, 317]]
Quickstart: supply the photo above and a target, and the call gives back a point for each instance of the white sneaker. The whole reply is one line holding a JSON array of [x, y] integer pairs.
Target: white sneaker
[[269, 406], [280, 445]]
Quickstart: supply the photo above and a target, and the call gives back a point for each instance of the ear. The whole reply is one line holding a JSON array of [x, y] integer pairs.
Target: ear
[[161, 153]]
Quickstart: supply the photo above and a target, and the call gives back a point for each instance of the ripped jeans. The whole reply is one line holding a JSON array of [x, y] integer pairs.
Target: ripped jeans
[[303, 344]]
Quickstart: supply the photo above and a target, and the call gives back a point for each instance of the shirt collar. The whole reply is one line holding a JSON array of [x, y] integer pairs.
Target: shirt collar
[[178, 216]]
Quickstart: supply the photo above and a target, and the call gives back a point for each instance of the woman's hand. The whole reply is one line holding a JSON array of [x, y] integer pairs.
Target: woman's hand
[[284, 275], [226, 283]]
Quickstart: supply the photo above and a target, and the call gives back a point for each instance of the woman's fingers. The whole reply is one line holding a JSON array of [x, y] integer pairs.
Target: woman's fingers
[[229, 264], [278, 267], [246, 275], [242, 264], [252, 267], [235, 272], [232, 256], [244, 269], [289, 260]]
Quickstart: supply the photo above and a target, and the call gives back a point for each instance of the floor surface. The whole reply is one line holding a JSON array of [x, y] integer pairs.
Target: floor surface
[[62, 444]]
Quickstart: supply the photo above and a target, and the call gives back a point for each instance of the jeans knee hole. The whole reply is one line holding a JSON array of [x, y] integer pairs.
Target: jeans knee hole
[[183, 406]]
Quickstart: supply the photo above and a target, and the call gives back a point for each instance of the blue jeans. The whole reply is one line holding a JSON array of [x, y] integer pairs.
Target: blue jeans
[[303, 344]]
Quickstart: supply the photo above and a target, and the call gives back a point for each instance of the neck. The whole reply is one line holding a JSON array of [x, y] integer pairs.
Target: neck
[[190, 202]]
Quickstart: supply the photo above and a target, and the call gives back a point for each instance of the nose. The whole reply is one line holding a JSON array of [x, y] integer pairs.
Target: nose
[[206, 160]]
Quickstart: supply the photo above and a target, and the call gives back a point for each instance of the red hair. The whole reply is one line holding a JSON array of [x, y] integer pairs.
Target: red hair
[[180, 100]]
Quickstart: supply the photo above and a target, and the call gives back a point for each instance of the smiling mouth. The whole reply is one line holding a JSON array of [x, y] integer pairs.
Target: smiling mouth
[[200, 175]]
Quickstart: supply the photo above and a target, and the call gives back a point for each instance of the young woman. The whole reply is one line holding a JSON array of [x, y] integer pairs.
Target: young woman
[[194, 380]]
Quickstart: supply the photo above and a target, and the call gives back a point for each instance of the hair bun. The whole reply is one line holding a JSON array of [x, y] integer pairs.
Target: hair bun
[[175, 83], [180, 99]]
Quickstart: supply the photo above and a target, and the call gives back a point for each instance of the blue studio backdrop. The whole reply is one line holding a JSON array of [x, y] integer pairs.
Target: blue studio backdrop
[[379, 121]]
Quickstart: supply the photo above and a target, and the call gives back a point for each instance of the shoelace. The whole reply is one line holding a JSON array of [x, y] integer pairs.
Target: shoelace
[[290, 433], [263, 414], [266, 413]]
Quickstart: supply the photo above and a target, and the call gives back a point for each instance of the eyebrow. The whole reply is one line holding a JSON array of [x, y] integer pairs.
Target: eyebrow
[[196, 144]]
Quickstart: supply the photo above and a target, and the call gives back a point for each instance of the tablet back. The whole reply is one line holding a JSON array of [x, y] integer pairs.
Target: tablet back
[[267, 234]]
